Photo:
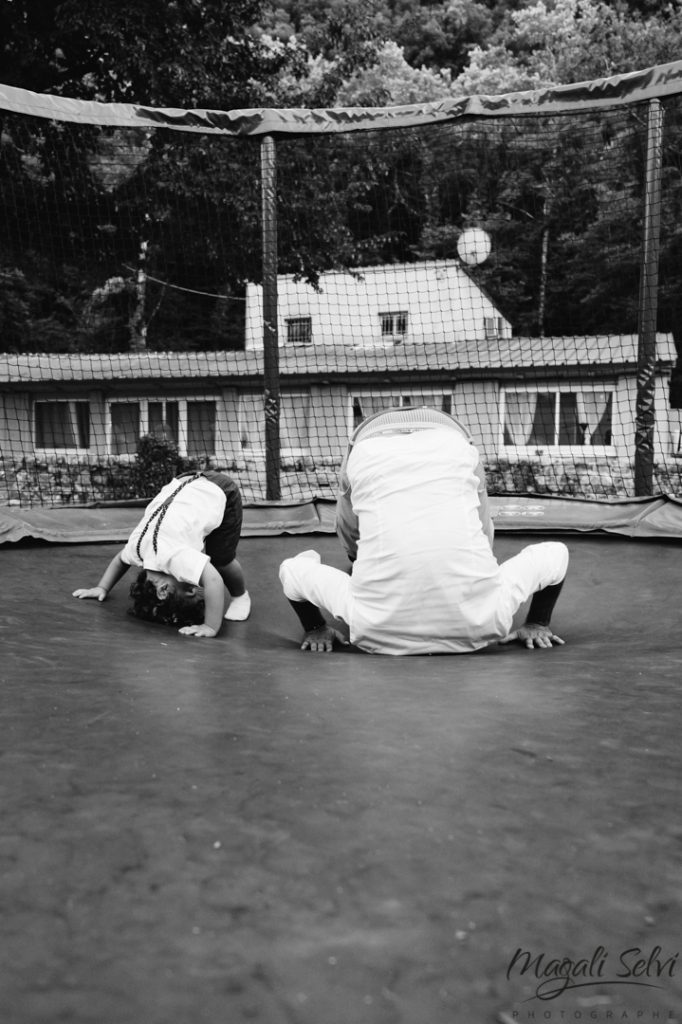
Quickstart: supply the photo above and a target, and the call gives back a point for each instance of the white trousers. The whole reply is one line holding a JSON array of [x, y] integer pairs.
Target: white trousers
[[535, 567]]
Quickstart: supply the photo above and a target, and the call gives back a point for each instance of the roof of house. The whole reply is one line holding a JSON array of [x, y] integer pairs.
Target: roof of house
[[599, 353], [383, 270]]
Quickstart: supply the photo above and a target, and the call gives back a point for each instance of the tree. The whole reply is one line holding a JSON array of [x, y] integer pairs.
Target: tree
[[81, 204], [568, 215], [14, 308], [176, 53], [390, 80], [440, 35], [545, 44], [149, 237], [331, 47]]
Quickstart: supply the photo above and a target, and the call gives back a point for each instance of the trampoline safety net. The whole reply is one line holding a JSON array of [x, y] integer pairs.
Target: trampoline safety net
[[238, 290]]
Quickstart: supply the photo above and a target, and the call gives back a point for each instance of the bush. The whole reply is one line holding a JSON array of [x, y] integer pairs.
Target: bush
[[157, 461]]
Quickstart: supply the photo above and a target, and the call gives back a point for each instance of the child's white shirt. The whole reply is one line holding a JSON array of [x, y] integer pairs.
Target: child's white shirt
[[194, 512]]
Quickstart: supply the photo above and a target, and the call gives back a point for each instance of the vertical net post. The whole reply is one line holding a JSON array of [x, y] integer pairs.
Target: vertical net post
[[648, 305], [270, 337]]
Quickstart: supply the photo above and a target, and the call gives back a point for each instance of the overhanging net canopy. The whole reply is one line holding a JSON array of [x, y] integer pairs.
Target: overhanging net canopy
[[240, 289]]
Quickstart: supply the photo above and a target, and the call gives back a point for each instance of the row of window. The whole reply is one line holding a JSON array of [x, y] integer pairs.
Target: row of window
[[300, 328], [66, 425], [393, 327], [529, 419]]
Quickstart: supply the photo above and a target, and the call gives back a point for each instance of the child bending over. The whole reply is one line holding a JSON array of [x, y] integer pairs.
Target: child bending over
[[413, 516], [185, 545]]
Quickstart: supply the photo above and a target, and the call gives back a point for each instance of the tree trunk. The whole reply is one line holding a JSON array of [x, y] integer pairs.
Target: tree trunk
[[542, 296], [137, 322]]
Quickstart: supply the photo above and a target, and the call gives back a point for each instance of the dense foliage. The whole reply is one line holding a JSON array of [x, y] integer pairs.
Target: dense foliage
[[117, 239]]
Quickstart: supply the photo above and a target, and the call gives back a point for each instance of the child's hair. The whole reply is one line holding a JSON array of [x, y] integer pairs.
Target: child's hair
[[173, 611]]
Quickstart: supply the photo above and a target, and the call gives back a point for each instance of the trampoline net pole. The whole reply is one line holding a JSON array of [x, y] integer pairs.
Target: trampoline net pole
[[271, 389], [645, 416]]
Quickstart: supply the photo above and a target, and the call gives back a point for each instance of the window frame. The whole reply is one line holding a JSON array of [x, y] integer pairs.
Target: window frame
[[289, 323], [53, 450], [419, 393], [493, 327], [677, 444], [143, 402], [394, 334], [256, 452], [539, 450]]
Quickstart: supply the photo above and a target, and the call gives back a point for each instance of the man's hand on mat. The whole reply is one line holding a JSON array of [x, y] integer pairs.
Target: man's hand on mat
[[93, 593], [533, 635], [201, 629], [322, 639]]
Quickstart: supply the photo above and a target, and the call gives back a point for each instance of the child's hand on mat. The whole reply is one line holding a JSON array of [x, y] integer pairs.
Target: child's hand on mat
[[200, 630], [321, 639], [533, 635], [93, 593]]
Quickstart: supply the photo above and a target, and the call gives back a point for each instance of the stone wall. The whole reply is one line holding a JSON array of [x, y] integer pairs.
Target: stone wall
[[596, 479], [58, 481]]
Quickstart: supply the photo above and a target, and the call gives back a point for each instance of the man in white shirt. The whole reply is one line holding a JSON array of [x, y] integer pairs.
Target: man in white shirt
[[413, 516]]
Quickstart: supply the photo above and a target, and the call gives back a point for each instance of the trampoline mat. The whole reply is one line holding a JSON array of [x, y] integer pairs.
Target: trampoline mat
[[659, 517], [233, 830]]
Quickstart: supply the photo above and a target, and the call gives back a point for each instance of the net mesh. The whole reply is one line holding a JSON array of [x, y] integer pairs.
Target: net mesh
[[493, 267]]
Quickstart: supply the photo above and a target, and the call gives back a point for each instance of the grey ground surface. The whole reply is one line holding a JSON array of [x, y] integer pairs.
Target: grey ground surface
[[230, 830]]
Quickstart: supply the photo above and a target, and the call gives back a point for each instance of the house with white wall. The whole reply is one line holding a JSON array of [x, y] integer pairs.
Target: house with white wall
[[431, 302], [567, 405]]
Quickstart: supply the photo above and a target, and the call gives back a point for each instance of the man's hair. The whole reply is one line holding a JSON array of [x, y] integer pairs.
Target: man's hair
[[173, 611]]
